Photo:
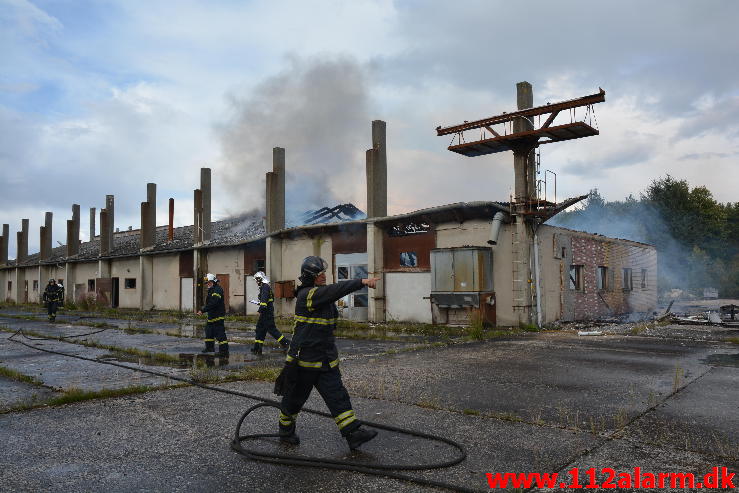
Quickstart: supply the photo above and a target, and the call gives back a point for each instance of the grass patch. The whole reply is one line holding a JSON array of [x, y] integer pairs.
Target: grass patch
[[77, 395], [733, 340], [258, 373], [471, 412], [18, 376]]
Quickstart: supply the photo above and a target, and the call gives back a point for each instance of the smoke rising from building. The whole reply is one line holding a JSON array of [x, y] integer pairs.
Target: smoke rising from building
[[318, 110]]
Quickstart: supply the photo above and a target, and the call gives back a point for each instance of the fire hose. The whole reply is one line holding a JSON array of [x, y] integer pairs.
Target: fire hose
[[386, 470]]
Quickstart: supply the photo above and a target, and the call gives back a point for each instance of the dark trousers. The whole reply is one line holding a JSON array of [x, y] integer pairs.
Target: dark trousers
[[266, 323], [329, 385], [216, 331], [51, 307]]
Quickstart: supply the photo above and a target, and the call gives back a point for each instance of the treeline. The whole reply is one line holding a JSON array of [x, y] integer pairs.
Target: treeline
[[697, 238]]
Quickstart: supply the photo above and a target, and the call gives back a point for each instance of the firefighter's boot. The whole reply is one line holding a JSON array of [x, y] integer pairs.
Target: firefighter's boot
[[223, 349], [257, 349], [359, 436], [210, 346], [284, 343]]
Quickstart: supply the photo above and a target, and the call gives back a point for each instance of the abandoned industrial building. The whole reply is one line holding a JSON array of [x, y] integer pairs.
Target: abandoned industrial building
[[453, 264]]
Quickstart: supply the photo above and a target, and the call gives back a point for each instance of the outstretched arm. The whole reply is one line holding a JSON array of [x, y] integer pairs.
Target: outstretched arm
[[320, 295]]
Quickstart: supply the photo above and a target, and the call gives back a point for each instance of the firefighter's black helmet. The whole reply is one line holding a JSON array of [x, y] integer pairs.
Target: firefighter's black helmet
[[312, 266]]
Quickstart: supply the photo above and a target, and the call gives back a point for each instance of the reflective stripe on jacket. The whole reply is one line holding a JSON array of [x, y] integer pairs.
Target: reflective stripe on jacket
[[313, 344], [215, 305]]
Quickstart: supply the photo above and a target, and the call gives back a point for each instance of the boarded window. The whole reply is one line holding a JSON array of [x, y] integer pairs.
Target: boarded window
[[576, 278], [129, 283], [628, 283], [644, 278], [408, 259], [91, 285], [601, 278]]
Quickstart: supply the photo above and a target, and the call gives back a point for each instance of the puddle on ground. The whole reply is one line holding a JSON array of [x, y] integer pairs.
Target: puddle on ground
[[722, 360]]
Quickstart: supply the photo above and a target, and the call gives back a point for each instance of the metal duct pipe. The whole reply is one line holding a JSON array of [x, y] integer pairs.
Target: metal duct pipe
[[495, 228]]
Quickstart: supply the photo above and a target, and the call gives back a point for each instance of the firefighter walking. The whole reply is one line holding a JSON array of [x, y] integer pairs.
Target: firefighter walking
[[266, 322], [215, 307], [313, 359], [52, 297]]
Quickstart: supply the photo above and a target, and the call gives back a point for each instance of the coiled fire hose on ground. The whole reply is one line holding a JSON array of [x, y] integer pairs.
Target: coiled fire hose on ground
[[384, 470]]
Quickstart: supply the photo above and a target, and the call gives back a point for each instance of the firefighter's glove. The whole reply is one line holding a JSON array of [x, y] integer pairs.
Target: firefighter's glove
[[287, 378]]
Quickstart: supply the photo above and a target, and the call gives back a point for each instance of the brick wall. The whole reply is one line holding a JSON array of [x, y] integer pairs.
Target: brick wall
[[592, 252]]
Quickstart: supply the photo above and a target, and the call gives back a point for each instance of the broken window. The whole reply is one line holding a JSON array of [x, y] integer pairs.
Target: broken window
[[628, 282], [259, 265], [601, 278], [129, 283], [644, 278], [342, 273], [10, 286], [35, 284], [91, 285], [576, 278], [408, 259]]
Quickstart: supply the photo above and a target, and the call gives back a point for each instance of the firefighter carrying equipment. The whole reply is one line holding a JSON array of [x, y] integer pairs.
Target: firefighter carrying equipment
[[53, 296], [215, 329]]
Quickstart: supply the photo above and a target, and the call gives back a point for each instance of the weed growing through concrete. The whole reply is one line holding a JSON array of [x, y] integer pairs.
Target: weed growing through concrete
[[471, 412], [18, 376], [676, 382]]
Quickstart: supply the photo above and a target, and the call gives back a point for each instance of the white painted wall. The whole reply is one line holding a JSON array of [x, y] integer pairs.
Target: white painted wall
[[404, 296], [123, 269], [166, 282]]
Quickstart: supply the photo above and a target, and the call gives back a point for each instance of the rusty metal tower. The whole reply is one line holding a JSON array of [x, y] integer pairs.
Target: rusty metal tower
[[522, 132]]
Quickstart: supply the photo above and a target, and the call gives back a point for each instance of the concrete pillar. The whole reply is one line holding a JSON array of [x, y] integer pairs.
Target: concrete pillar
[[71, 243], [525, 191], [269, 193], [76, 232], [273, 266], [170, 229], [369, 163], [92, 223], [375, 268], [379, 169], [4, 244], [205, 188], [22, 252], [151, 198], [278, 190], [18, 285], [146, 278], [45, 236], [43, 253], [105, 233], [145, 236], [110, 209], [70, 282], [200, 265], [197, 229]]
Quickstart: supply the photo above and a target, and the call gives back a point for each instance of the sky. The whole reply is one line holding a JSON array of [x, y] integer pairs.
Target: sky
[[102, 97]]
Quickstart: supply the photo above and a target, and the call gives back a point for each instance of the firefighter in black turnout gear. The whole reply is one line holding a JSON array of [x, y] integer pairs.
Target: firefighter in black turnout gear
[[52, 297], [266, 322], [215, 307], [312, 360]]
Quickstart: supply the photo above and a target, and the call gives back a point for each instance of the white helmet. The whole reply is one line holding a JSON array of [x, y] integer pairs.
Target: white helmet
[[210, 277], [262, 276]]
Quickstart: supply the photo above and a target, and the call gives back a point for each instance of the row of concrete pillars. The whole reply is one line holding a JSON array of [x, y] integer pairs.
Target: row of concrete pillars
[[376, 174]]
